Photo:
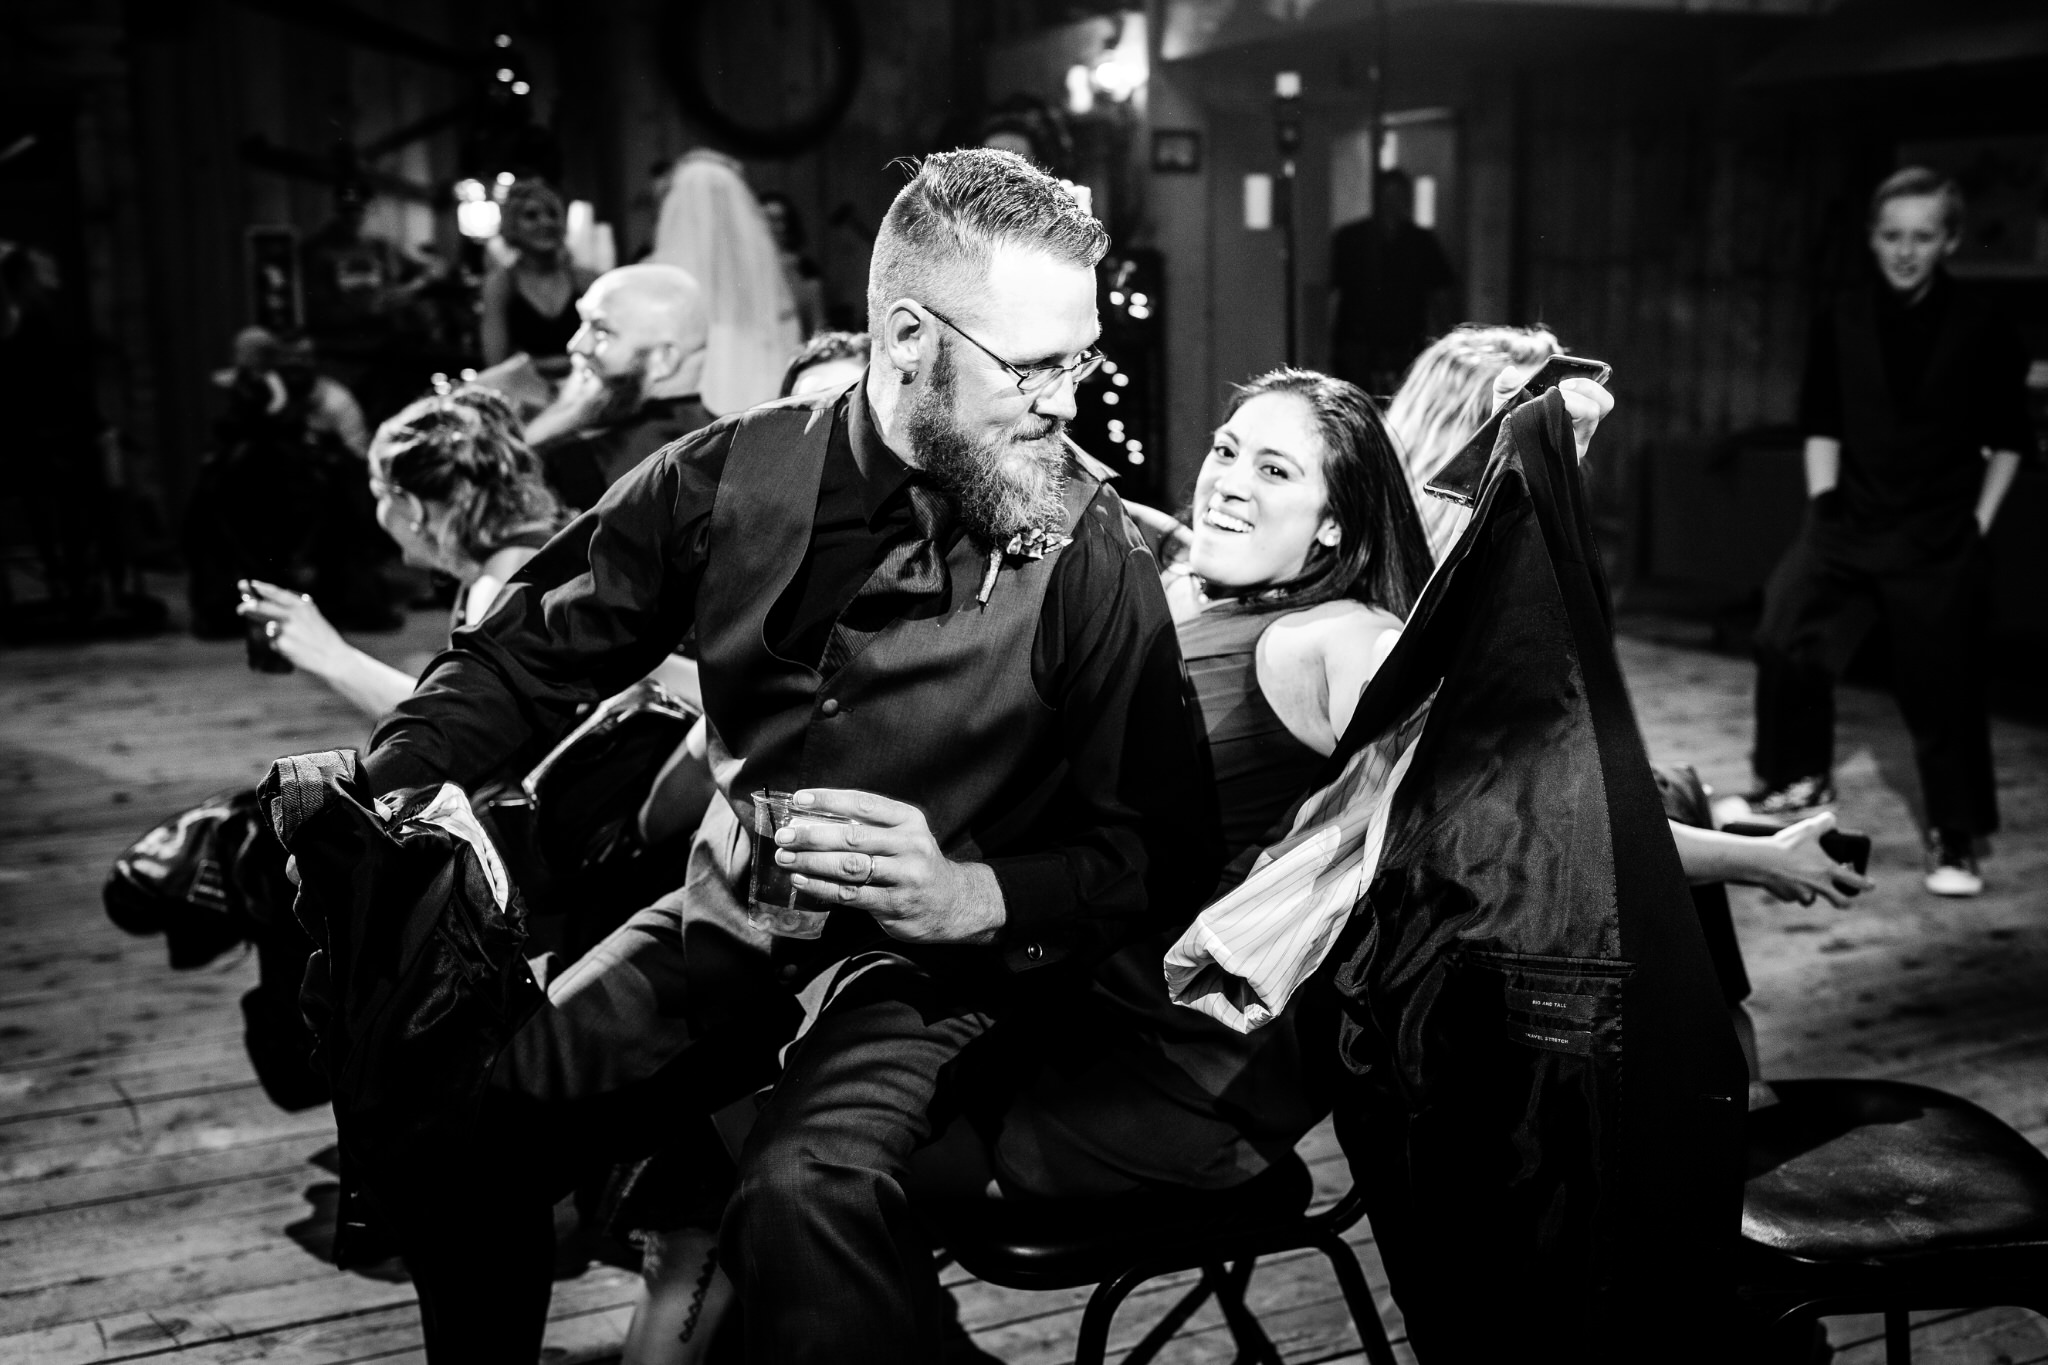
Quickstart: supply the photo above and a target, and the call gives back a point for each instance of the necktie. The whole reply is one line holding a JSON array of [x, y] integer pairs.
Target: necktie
[[914, 567]]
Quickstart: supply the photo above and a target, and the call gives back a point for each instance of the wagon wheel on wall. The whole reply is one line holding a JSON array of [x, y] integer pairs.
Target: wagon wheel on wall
[[768, 78]]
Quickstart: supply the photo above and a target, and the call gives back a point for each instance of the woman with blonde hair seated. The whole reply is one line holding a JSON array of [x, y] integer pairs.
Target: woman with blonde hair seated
[[1447, 395]]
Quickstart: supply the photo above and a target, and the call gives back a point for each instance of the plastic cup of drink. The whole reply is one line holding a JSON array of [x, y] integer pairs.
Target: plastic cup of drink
[[775, 904]]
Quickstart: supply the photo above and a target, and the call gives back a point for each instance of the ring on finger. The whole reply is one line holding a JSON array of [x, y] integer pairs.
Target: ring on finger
[[270, 630]]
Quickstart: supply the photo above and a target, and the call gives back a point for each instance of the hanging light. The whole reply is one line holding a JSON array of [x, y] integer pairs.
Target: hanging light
[[1123, 70], [476, 213]]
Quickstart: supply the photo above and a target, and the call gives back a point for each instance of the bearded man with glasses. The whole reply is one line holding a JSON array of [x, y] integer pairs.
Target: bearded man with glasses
[[919, 605]]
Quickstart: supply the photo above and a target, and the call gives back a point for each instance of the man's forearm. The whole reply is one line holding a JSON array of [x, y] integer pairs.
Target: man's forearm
[[1999, 472], [554, 423], [1823, 464]]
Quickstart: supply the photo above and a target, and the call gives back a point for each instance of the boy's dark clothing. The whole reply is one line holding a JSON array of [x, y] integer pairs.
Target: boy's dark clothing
[[1916, 393]]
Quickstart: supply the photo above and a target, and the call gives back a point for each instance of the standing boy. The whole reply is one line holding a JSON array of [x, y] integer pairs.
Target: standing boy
[[1915, 415]]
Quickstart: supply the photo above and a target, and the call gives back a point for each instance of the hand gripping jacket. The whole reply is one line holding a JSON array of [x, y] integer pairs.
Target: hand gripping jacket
[[1544, 1094], [417, 979]]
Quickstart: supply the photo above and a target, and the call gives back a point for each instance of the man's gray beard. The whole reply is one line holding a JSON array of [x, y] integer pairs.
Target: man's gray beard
[[624, 395], [995, 502]]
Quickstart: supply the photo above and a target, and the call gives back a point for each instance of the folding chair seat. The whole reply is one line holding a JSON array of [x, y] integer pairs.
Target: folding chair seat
[[1884, 1197], [1118, 1244]]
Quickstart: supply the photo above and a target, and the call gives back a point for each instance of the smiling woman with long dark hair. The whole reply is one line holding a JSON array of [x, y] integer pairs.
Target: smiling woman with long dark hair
[[1305, 557]]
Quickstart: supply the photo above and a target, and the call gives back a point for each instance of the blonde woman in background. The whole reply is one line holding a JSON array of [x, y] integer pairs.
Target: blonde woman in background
[[529, 306], [712, 226], [1447, 395]]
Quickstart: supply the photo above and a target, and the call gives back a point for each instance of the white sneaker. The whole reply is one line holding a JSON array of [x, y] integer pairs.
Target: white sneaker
[[1951, 866]]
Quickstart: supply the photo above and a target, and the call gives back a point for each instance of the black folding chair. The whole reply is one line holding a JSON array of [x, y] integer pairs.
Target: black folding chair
[[1119, 1244], [1884, 1197]]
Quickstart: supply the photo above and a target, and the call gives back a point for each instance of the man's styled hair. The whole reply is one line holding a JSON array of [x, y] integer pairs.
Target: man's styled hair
[[1917, 182], [939, 236]]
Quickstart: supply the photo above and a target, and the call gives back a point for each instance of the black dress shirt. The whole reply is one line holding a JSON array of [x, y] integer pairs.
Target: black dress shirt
[[1993, 411], [580, 465], [601, 605]]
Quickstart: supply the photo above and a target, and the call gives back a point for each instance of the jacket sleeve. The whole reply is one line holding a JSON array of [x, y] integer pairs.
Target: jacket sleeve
[[593, 612], [1140, 845]]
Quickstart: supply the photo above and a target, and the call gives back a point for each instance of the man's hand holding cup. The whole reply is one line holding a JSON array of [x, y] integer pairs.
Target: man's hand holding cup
[[888, 864]]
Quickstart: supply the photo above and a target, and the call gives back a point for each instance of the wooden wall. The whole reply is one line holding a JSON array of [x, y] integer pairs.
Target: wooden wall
[[1681, 229], [199, 77], [165, 92], [1620, 187], [921, 66]]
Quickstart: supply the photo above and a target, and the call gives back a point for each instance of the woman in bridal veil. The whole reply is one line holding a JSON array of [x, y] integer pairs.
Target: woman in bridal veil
[[712, 226]]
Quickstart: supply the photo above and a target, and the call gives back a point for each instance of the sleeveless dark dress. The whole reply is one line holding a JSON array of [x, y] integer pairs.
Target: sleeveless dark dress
[[1260, 767], [531, 539], [534, 332], [1132, 1091]]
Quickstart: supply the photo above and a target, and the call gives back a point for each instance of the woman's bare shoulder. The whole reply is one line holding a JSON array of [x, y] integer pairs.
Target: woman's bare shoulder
[[1327, 625]]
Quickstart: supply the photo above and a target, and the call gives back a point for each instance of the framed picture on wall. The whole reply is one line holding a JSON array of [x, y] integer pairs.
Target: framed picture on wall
[[1176, 151]]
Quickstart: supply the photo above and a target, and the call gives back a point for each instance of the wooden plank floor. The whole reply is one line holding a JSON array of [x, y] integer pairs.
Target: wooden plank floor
[[153, 1203]]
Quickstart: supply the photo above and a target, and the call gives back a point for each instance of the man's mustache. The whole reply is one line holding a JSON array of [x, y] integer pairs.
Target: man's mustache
[[1047, 427]]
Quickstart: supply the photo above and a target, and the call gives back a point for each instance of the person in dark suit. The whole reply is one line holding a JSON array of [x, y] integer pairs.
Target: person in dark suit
[[1915, 411], [1385, 270]]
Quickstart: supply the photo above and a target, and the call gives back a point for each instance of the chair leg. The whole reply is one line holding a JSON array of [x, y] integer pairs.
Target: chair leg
[[1365, 1314], [1254, 1347], [1091, 1346], [1898, 1337]]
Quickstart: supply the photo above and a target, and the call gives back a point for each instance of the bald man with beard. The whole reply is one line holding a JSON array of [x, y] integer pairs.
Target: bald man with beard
[[635, 366]]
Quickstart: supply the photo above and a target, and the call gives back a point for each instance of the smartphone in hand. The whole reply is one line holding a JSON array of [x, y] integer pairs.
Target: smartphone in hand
[[1843, 845]]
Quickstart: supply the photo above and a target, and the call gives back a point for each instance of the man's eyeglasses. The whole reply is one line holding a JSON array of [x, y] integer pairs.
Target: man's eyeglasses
[[1031, 382]]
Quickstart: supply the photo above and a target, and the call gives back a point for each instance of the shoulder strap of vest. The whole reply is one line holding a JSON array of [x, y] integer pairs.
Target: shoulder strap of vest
[[1089, 477], [799, 429]]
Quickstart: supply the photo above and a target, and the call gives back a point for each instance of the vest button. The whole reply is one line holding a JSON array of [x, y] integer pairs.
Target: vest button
[[830, 708], [1034, 952]]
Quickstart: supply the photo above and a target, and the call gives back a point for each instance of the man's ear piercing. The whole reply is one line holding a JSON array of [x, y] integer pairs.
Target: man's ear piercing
[[909, 376]]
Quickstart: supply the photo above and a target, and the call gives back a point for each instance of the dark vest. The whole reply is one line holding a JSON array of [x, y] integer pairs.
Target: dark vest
[[1918, 468], [940, 712]]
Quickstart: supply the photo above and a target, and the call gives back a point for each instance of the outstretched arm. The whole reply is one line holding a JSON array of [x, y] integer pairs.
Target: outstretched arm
[[1999, 472], [590, 614], [311, 642], [1790, 864]]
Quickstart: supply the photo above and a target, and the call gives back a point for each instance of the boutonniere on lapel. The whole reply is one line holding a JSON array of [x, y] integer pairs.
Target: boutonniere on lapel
[[1025, 546]]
